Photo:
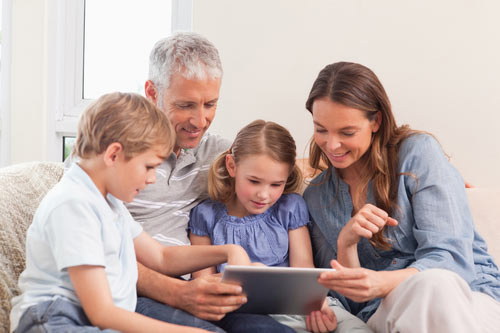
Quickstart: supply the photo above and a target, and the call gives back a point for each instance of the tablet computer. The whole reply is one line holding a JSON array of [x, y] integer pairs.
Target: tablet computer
[[278, 290]]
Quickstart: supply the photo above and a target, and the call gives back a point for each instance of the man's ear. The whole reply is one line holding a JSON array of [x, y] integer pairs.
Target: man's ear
[[151, 92], [113, 153], [230, 165]]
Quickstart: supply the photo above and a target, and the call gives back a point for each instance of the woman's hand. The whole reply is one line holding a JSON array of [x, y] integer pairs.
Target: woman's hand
[[361, 284], [237, 256], [365, 223], [323, 320]]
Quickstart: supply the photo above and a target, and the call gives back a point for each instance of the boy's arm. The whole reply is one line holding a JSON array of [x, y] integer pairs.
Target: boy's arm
[[202, 240], [180, 260], [300, 248], [92, 288], [205, 297]]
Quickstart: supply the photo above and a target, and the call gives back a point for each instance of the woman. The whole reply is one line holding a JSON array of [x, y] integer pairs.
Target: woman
[[388, 206]]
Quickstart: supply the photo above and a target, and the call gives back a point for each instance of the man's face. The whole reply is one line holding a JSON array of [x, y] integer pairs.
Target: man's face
[[190, 106]]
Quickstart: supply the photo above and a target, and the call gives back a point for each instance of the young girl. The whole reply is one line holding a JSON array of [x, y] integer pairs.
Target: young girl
[[253, 205]]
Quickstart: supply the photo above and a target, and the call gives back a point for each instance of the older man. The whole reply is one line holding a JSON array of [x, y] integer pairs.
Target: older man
[[184, 81]]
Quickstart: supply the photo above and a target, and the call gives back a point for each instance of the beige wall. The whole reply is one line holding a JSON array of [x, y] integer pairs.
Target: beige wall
[[28, 117], [439, 62]]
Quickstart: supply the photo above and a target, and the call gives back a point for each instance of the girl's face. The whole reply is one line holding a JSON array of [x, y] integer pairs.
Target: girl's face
[[259, 183], [343, 133]]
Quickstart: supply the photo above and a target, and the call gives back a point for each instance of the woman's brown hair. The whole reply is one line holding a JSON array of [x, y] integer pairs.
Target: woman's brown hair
[[257, 138], [356, 86]]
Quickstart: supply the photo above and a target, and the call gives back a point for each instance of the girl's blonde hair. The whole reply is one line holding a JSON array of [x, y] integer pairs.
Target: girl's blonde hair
[[127, 118], [257, 138]]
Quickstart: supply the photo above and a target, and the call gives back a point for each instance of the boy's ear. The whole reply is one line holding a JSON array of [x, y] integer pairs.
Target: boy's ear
[[112, 153], [151, 92], [230, 165]]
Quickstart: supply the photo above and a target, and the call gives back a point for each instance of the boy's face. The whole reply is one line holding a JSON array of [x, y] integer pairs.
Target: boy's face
[[132, 176]]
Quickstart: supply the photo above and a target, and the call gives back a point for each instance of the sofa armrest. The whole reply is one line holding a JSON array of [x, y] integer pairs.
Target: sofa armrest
[[22, 186]]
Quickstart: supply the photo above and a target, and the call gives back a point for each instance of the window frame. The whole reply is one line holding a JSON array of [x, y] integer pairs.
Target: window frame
[[65, 100]]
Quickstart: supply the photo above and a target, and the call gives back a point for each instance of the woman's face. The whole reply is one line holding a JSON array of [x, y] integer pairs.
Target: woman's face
[[343, 133]]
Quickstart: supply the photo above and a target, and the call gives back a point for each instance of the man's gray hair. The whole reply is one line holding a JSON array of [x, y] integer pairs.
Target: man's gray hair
[[184, 52]]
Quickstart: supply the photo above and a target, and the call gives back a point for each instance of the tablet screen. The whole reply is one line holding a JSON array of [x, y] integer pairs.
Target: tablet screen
[[278, 290]]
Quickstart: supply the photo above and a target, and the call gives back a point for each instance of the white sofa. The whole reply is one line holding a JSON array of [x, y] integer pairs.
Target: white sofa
[[22, 186]]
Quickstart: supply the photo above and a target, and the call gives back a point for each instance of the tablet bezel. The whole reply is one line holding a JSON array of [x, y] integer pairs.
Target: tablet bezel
[[278, 290]]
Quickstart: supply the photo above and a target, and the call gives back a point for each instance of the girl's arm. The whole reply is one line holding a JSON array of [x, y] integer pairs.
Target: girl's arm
[[300, 255], [92, 288], [202, 240], [180, 260], [300, 248]]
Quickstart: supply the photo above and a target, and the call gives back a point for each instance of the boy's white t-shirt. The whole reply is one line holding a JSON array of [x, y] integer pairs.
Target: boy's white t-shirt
[[75, 225]]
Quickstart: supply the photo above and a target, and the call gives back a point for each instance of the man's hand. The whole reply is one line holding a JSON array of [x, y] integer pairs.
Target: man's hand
[[208, 298]]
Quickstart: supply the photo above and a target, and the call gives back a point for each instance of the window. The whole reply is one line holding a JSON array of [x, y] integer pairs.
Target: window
[[100, 47]]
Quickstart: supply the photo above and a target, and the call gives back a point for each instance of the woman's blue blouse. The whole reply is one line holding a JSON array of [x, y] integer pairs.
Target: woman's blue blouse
[[435, 227], [263, 236]]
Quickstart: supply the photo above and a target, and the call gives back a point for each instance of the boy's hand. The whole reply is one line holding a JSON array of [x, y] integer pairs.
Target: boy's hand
[[208, 298], [323, 320], [237, 256]]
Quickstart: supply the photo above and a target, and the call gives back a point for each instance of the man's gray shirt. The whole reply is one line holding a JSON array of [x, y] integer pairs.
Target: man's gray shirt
[[181, 183]]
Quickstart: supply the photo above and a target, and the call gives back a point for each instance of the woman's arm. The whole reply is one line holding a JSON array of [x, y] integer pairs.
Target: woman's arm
[[440, 220], [361, 284], [202, 240], [300, 249], [92, 288], [364, 224]]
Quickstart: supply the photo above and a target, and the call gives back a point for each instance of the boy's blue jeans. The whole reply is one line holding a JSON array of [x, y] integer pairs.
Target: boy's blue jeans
[[232, 322], [60, 315]]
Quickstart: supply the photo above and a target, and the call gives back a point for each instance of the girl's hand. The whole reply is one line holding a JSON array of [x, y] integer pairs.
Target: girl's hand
[[323, 320], [237, 256], [365, 223], [358, 284]]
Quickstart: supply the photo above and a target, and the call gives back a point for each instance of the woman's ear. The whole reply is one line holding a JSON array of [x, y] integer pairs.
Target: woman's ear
[[230, 165], [113, 153], [376, 122]]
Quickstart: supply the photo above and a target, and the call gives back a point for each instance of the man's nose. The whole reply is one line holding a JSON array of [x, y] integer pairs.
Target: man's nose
[[199, 118]]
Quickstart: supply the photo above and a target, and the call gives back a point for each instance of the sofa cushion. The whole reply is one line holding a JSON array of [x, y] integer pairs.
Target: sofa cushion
[[483, 205], [22, 186]]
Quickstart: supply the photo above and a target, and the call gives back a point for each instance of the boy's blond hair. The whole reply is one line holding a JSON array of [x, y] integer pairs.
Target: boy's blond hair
[[127, 118]]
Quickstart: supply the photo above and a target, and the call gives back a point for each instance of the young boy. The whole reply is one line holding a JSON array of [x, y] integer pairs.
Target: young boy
[[81, 266]]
